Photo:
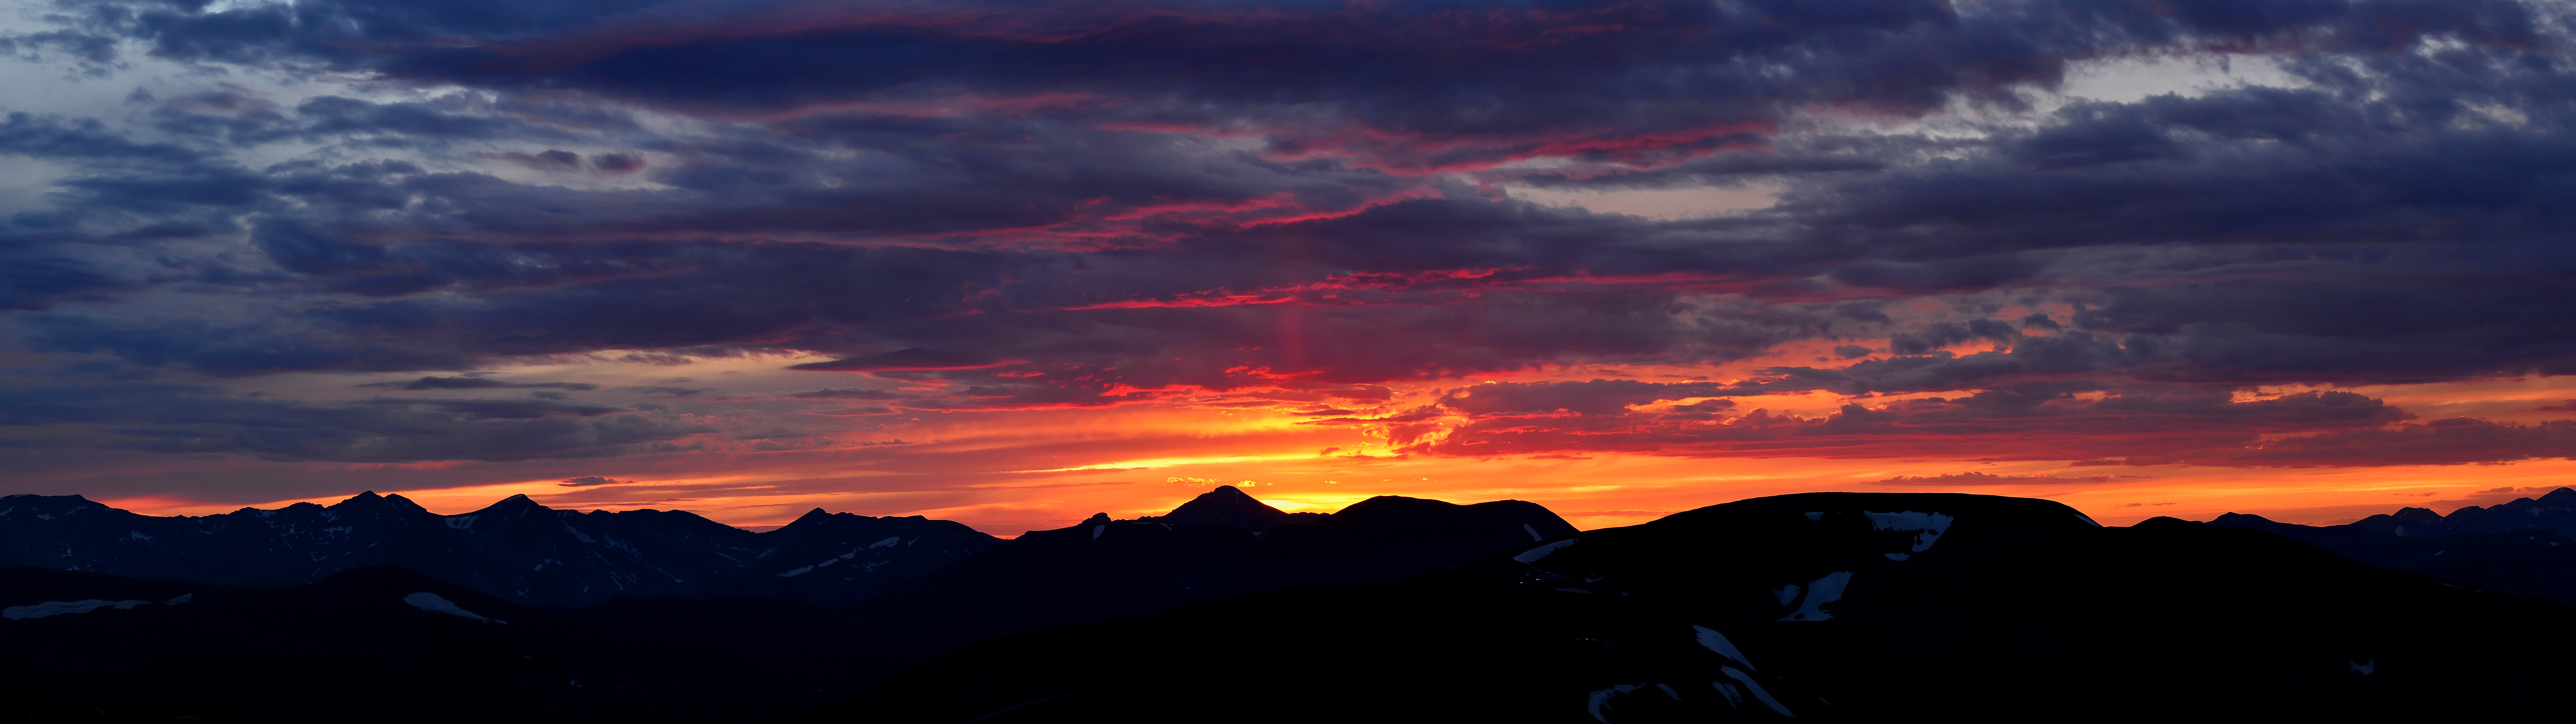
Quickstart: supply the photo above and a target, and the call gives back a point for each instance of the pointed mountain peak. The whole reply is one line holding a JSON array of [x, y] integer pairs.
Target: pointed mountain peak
[[370, 502], [1096, 519], [2560, 498], [367, 499], [810, 518], [513, 505], [1228, 506]]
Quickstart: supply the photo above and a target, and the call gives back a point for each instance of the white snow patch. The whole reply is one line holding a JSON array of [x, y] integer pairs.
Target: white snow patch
[[852, 554], [434, 603], [576, 534], [1710, 639], [1532, 555], [44, 516], [1734, 696], [1534, 536], [1758, 693], [52, 608], [461, 522], [182, 598], [2087, 521], [1818, 515], [827, 562], [1927, 527], [138, 535], [1898, 556], [2365, 667], [1097, 530], [1602, 698], [1823, 591], [890, 540], [1787, 593], [795, 573]]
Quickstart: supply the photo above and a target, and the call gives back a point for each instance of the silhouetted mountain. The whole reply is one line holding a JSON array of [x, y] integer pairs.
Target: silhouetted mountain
[[1103, 568], [2529, 562], [2555, 512], [1823, 606], [1231, 507], [516, 548], [377, 642]]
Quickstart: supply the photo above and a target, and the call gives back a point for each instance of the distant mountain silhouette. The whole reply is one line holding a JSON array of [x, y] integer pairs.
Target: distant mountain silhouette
[[516, 548], [1102, 568], [2521, 547], [2555, 512], [1835, 606], [1231, 507], [370, 643]]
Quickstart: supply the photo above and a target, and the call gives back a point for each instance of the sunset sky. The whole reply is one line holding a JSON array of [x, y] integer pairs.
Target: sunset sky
[[1015, 263]]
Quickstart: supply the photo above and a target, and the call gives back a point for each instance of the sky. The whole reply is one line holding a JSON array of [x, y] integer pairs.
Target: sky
[[1015, 263]]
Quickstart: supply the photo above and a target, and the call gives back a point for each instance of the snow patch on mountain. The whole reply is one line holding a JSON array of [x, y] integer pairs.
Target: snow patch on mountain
[[435, 603], [57, 608], [1533, 555]]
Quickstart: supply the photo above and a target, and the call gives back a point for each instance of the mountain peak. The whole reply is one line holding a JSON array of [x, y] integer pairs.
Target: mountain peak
[[2560, 498], [519, 504], [1228, 506], [370, 502], [811, 517]]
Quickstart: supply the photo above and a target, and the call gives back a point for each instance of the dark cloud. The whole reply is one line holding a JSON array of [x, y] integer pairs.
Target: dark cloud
[[478, 383], [666, 390], [581, 481], [197, 419]]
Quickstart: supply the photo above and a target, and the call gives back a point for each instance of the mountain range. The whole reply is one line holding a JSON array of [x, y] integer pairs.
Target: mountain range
[[2520, 547], [742, 620], [514, 549], [1824, 605], [1835, 606]]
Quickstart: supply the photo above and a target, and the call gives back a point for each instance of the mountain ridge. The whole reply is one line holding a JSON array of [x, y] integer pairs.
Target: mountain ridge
[[515, 548], [1828, 606], [2526, 546]]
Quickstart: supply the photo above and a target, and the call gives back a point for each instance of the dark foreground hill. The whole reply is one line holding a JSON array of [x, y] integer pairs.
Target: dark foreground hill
[[1102, 569], [1822, 606], [375, 643], [515, 549], [2519, 547]]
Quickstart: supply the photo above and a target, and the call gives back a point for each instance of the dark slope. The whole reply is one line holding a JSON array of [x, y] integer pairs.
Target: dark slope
[[837, 559], [1102, 569], [2531, 563], [376, 642], [516, 548], [23, 706], [1828, 606]]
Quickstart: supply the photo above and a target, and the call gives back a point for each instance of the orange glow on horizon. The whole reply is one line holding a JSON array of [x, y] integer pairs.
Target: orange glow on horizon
[[1009, 471]]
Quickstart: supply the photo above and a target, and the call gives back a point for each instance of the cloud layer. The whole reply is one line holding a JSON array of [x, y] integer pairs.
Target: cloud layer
[[1320, 210]]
